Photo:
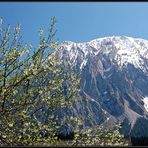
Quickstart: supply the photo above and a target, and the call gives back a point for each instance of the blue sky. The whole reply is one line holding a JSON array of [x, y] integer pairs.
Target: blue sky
[[78, 21]]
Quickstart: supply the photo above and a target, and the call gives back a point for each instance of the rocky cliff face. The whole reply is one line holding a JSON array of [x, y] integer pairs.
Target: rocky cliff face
[[114, 81]]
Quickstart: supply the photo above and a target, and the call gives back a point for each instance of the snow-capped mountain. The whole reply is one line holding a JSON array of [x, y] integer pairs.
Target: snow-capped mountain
[[114, 81], [122, 49]]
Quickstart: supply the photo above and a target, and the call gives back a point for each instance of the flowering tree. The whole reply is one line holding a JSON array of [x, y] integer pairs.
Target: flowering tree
[[35, 88], [32, 85]]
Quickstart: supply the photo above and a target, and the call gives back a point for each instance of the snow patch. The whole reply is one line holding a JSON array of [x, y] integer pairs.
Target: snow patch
[[108, 69], [83, 64], [105, 92], [145, 100]]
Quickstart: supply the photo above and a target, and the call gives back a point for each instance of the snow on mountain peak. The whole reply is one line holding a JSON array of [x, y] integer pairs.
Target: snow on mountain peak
[[122, 49]]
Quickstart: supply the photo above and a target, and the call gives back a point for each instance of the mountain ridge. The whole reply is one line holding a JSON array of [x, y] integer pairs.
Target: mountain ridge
[[113, 36], [114, 76]]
